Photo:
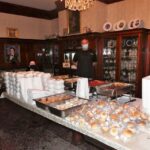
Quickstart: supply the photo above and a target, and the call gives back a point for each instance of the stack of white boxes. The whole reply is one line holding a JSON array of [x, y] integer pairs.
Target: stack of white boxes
[[24, 85]]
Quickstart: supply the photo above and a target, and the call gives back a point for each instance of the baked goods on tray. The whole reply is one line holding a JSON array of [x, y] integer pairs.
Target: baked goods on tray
[[70, 103], [121, 121], [55, 98]]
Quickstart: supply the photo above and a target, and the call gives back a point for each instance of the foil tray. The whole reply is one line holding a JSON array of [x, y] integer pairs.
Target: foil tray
[[51, 106], [44, 101]]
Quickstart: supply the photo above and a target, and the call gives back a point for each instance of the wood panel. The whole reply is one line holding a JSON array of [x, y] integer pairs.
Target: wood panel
[[27, 11], [147, 58], [27, 51], [110, 1]]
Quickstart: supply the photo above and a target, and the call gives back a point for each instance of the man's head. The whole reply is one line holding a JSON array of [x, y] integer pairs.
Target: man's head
[[85, 44], [32, 63], [12, 51]]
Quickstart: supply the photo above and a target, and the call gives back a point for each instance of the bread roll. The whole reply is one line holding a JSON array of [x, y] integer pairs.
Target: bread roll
[[102, 104], [114, 131], [127, 133]]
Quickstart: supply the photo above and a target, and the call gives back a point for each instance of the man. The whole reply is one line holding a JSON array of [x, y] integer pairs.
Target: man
[[85, 60], [32, 66], [12, 56]]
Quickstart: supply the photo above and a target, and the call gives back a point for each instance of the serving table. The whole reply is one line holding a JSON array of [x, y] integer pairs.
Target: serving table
[[140, 141]]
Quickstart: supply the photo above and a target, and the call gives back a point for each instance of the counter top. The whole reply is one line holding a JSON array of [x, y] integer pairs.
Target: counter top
[[140, 141]]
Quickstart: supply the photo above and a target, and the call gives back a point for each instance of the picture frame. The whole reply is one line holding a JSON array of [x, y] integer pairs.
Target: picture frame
[[12, 53], [74, 21], [12, 32]]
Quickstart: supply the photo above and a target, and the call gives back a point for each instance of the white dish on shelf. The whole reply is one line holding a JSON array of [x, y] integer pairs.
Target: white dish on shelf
[[107, 26]]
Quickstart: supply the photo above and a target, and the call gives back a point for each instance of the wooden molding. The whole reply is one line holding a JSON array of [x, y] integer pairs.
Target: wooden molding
[[27, 11], [39, 13], [60, 5], [109, 1]]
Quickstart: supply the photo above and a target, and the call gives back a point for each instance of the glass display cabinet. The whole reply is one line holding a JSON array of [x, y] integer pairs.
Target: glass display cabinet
[[123, 56]]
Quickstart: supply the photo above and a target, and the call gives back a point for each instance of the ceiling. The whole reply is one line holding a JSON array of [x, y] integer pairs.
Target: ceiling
[[44, 4]]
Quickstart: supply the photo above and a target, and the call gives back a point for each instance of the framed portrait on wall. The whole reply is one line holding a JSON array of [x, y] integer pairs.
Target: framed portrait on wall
[[12, 53], [74, 21]]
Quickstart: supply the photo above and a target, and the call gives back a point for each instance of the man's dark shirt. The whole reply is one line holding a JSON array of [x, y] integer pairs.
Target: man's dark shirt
[[85, 61]]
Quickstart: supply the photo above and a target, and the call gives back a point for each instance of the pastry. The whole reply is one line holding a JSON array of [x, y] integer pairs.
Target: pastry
[[102, 104], [114, 117], [126, 134], [114, 131]]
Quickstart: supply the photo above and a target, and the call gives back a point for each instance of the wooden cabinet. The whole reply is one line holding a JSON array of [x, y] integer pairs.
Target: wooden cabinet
[[47, 55], [123, 57], [147, 62]]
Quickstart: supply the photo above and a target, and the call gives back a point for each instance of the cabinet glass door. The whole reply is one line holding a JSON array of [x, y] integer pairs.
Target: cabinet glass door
[[109, 59], [129, 59]]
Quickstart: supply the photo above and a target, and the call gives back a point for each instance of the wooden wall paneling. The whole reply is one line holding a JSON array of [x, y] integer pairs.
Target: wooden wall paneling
[[28, 49], [147, 58], [118, 56], [109, 1], [28, 11], [1, 55], [99, 59]]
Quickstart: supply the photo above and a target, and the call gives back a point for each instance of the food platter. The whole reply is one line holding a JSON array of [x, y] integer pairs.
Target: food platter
[[60, 104], [114, 89]]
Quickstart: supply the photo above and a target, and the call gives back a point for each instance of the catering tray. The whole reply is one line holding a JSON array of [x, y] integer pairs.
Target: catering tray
[[56, 108], [44, 101], [53, 104], [114, 89]]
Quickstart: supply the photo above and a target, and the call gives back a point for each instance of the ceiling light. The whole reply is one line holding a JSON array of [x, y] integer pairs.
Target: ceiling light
[[78, 4]]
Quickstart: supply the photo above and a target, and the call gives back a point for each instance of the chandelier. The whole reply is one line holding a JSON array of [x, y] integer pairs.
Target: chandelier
[[78, 4]]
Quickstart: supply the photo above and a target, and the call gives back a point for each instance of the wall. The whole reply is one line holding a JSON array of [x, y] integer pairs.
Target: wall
[[129, 9], [62, 21], [94, 17], [29, 28]]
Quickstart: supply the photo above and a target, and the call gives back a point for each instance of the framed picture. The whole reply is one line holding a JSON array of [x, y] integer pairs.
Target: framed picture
[[12, 32], [74, 21], [12, 53]]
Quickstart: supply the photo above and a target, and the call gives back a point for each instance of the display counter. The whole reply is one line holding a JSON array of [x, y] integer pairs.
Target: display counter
[[140, 141]]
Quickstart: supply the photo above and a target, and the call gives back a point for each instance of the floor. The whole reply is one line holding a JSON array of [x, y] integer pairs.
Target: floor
[[21, 129]]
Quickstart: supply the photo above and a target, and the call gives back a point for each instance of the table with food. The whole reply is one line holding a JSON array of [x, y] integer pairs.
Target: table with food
[[120, 123]]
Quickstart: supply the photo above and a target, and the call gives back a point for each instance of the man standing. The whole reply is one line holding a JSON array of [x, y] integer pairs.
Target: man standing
[[85, 60]]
